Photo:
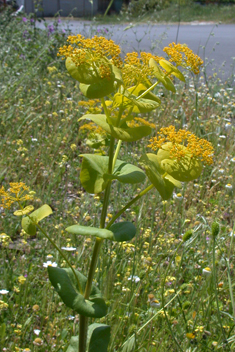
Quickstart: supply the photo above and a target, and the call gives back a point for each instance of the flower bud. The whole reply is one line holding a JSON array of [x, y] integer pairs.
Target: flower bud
[[188, 234], [215, 229]]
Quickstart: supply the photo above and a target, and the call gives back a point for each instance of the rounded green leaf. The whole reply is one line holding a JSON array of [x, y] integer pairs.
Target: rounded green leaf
[[98, 337], [28, 224], [90, 231], [99, 89], [65, 284], [123, 231], [83, 73], [127, 173], [157, 176], [93, 169], [185, 169], [127, 134], [103, 86]]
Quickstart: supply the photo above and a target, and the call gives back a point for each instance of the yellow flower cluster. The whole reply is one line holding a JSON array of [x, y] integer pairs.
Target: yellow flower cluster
[[91, 51], [194, 146], [92, 106], [18, 192], [92, 128], [3, 305], [183, 56], [5, 240], [138, 121], [136, 69]]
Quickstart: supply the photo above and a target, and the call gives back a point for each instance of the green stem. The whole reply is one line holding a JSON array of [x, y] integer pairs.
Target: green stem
[[106, 111], [216, 293], [141, 194], [109, 5], [152, 87], [117, 152], [83, 322]]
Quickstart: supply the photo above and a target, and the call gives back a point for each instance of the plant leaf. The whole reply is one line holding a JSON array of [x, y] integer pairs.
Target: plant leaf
[[83, 73], [166, 81], [27, 224], [186, 169], [172, 69], [93, 169], [163, 183], [122, 231], [103, 86], [94, 173], [127, 134], [98, 337], [127, 173], [65, 284], [90, 231]]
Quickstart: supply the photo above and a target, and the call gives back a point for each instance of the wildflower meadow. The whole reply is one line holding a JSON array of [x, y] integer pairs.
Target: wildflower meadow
[[116, 198]]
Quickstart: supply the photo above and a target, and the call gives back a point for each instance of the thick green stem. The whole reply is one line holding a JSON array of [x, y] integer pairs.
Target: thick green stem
[[83, 322], [141, 194]]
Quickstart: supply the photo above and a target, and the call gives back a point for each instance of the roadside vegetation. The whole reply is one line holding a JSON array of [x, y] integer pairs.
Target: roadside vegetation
[[162, 295]]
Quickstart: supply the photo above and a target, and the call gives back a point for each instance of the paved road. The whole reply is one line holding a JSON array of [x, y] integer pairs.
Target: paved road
[[214, 43]]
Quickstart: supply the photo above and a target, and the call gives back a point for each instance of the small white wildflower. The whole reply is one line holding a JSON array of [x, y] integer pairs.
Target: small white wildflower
[[134, 278], [178, 196], [206, 271], [4, 292], [69, 249], [37, 331], [229, 186], [49, 263]]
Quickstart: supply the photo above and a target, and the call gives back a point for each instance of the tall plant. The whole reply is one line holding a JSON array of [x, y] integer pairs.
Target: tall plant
[[176, 157]]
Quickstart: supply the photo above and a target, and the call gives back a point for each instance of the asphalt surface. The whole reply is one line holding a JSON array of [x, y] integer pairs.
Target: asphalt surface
[[213, 43]]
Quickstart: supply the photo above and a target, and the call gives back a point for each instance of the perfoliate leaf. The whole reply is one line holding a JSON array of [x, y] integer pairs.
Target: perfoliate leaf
[[93, 169], [98, 337], [104, 86], [126, 173], [143, 105], [166, 81], [83, 73], [140, 89], [172, 69], [126, 134], [185, 169], [90, 231], [66, 285], [28, 225], [99, 89], [122, 231], [94, 173], [157, 176]]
